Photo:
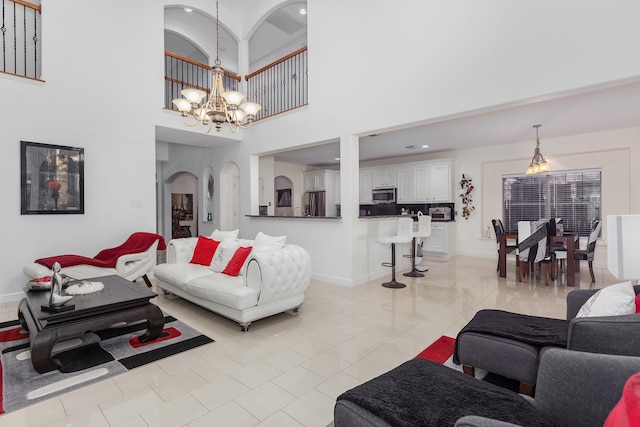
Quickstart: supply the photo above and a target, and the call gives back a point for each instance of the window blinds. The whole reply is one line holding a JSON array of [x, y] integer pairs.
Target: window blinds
[[573, 196]]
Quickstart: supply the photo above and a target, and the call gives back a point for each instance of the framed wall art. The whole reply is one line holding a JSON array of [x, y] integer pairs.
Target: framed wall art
[[51, 179]]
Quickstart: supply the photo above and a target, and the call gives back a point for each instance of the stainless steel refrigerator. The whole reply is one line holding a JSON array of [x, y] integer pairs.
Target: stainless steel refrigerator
[[314, 203]]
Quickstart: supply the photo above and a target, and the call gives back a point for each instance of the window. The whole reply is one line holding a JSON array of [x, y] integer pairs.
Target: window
[[573, 196]]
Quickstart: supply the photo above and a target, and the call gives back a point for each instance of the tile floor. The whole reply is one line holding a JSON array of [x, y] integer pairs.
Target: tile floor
[[288, 370]]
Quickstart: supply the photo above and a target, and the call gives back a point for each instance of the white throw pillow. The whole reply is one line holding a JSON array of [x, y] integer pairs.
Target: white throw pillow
[[223, 235], [611, 301], [266, 242], [223, 254]]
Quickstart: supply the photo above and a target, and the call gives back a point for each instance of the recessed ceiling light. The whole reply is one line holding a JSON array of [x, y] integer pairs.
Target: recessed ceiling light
[[425, 146], [338, 158], [302, 11], [188, 9]]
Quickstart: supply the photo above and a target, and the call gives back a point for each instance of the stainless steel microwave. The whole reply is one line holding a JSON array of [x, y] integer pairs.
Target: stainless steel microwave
[[384, 195]]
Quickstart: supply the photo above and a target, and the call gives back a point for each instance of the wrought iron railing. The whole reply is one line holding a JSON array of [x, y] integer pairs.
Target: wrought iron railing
[[280, 86], [20, 33], [181, 73]]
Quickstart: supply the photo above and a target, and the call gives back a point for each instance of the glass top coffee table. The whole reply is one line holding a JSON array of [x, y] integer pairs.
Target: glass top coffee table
[[119, 301]]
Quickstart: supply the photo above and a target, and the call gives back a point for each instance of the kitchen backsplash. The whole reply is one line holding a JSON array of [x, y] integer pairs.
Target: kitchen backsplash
[[396, 208]]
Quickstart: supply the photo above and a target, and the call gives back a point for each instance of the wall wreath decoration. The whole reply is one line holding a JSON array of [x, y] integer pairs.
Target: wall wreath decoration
[[466, 185]]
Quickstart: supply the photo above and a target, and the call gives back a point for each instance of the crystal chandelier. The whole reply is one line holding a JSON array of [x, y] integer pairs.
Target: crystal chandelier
[[221, 106], [538, 163]]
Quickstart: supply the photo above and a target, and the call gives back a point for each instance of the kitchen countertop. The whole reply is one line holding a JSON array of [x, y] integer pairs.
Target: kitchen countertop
[[339, 217], [293, 217], [399, 216]]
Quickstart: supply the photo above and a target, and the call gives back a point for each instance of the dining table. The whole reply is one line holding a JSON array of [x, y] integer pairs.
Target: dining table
[[571, 242]]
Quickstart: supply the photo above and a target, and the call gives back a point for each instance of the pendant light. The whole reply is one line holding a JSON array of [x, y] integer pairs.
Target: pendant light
[[538, 162]]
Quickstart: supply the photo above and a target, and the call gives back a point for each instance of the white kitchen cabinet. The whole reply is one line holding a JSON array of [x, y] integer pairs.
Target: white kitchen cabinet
[[315, 180], [422, 183], [441, 242], [366, 186], [441, 182], [432, 182], [417, 182], [385, 177], [437, 242], [405, 191]]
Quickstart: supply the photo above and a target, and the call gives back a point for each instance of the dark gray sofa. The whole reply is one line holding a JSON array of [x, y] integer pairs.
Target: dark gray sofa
[[574, 389], [519, 360]]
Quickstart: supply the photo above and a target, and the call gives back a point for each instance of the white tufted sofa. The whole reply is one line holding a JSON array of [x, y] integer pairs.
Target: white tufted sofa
[[272, 282]]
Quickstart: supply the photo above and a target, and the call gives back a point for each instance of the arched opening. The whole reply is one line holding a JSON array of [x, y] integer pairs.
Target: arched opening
[[182, 205], [283, 187]]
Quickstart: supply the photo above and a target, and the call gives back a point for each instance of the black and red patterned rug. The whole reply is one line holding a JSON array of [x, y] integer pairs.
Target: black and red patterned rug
[[87, 360]]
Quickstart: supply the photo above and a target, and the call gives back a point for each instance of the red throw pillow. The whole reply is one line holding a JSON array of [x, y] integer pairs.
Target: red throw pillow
[[236, 261], [637, 303], [204, 250], [627, 412]]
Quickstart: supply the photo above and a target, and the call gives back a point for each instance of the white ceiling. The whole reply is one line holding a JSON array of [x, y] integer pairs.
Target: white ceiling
[[189, 33], [597, 110], [591, 111]]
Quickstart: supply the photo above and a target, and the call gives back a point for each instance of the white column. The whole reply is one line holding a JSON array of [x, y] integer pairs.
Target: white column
[[243, 63]]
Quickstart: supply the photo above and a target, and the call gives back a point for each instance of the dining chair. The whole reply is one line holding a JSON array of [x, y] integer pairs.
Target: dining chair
[[498, 228], [584, 254], [534, 248]]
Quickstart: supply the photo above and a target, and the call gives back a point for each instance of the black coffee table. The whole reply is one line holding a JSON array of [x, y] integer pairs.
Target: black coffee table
[[119, 301]]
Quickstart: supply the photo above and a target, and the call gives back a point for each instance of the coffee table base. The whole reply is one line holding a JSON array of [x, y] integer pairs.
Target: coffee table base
[[42, 341]]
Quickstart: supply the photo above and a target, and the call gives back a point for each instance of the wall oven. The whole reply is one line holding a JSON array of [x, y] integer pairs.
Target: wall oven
[[384, 195]]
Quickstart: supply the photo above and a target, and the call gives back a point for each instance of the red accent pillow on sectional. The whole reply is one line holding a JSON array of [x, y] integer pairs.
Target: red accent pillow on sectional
[[204, 250], [236, 261], [627, 412], [637, 303]]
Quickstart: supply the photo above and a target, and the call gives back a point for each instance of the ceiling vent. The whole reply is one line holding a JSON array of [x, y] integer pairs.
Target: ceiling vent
[[285, 22]]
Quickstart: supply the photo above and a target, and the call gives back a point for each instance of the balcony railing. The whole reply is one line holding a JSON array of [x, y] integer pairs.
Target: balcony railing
[[181, 73], [280, 86], [20, 31]]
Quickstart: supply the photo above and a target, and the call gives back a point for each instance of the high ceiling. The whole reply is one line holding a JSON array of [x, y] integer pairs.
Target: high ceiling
[[598, 109], [189, 33]]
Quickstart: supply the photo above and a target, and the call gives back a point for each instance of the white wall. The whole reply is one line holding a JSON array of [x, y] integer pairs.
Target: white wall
[[89, 70], [396, 68], [442, 59]]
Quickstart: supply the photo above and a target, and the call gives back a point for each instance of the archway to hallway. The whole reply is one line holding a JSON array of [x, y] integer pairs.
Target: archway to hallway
[[179, 206]]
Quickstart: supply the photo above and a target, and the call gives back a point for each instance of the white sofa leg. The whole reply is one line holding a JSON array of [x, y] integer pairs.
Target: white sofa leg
[[244, 326]]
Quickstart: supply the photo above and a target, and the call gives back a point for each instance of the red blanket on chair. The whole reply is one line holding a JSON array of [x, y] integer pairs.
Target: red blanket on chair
[[107, 258]]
